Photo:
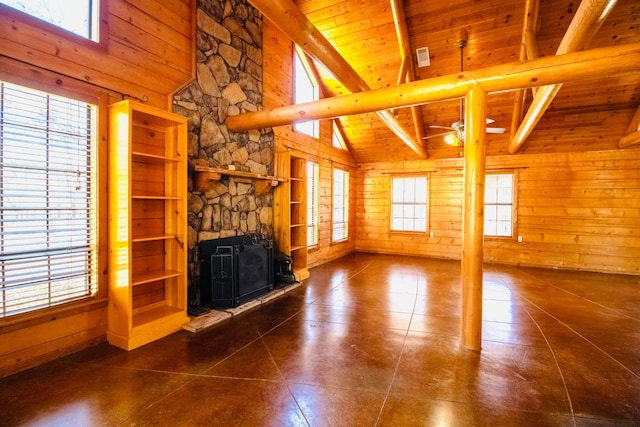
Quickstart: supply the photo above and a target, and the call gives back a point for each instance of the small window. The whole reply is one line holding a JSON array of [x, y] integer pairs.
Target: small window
[[498, 205], [80, 17], [409, 203], [305, 90], [338, 139], [48, 206], [313, 201], [340, 205]]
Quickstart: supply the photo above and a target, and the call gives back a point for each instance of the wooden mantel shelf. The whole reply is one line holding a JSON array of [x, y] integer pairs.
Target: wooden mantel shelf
[[205, 174]]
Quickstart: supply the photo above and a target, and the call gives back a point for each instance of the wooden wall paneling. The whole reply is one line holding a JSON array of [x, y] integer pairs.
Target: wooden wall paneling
[[22, 349], [576, 211], [148, 49]]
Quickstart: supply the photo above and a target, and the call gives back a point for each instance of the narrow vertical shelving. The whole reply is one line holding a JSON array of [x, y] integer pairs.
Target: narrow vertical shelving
[[147, 224], [291, 211]]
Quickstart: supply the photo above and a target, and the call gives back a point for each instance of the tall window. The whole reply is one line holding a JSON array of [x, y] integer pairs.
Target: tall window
[[80, 17], [498, 205], [47, 203], [340, 205], [305, 90], [313, 202], [409, 203]]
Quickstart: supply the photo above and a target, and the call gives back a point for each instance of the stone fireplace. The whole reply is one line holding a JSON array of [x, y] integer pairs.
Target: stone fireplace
[[228, 81]]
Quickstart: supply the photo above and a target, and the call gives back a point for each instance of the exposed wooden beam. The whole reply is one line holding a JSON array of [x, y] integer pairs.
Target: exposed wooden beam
[[291, 21], [528, 50], [473, 218], [399, 19], [587, 21], [549, 70], [632, 136]]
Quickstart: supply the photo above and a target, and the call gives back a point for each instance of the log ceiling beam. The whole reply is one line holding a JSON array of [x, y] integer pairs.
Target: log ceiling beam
[[585, 24], [576, 66], [632, 136], [285, 15], [528, 50], [407, 68]]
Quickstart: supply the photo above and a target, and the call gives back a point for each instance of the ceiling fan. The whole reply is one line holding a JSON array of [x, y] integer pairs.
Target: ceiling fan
[[455, 133]]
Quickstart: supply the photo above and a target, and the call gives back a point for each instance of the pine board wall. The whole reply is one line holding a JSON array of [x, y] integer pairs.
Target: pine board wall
[[578, 211], [146, 53]]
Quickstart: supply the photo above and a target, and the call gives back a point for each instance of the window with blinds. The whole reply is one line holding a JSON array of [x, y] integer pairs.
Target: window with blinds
[[340, 205], [313, 202], [47, 203]]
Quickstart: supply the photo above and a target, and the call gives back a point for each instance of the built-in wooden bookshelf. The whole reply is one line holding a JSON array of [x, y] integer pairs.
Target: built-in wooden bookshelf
[[290, 202], [147, 224]]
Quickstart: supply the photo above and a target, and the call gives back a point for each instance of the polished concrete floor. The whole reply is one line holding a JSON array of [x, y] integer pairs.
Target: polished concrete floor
[[369, 340]]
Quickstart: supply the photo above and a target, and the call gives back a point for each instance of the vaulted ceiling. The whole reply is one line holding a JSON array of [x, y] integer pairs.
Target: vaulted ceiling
[[591, 115]]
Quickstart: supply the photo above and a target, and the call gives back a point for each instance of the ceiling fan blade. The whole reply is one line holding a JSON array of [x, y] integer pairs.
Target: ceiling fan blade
[[495, 130], [441, 127], [437, 134]]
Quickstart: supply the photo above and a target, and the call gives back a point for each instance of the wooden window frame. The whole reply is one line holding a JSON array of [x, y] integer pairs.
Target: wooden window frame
[[514, 205], [19, 73], [306, 64], [347, 189], [57, 31], [428, 181]]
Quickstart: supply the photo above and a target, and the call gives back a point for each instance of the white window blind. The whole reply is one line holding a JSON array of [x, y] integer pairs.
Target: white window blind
[[313, 202], [47, 208], [340, 205]]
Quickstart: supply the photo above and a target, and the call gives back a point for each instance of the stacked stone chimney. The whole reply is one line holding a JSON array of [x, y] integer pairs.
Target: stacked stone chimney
[[229, 81]]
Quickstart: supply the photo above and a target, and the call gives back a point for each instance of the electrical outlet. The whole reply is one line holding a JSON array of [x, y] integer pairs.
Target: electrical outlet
[[431, 234], [519, 239]]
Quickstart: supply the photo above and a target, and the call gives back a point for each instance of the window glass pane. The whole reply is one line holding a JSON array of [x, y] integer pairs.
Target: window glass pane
[[304, 91], [340, 204], [504, 213], [421, 191], [491, 212], [313, 195], [503, 228], [409, 190]]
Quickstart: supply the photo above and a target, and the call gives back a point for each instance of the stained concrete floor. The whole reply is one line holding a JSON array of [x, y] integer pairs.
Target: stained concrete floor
[[369, 340]]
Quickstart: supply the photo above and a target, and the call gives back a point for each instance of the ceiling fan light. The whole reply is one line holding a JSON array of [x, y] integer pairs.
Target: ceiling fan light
[[452, 139]]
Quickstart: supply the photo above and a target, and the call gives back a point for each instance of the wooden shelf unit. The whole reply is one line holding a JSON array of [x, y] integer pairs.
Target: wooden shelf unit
[[290, 211], [147, 224]]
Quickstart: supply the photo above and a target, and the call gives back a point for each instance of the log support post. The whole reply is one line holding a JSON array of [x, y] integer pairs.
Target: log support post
[[473, 218]]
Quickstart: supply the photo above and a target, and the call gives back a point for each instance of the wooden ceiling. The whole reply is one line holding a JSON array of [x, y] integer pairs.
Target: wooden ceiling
[[591, 115]]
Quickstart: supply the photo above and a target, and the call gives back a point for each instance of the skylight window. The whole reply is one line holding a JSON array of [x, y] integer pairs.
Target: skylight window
[[80, 17]]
